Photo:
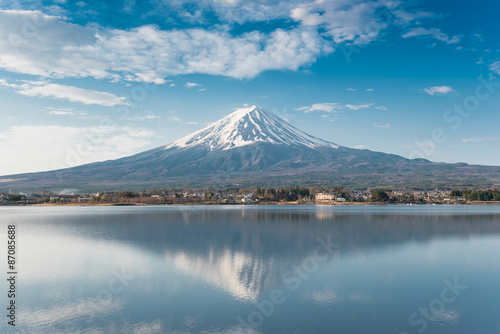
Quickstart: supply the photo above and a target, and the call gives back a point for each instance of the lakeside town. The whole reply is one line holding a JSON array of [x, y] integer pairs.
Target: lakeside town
[[254, 195]]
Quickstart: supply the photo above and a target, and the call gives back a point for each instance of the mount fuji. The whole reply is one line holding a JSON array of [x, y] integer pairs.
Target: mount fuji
[[248, 126], [252, 147]]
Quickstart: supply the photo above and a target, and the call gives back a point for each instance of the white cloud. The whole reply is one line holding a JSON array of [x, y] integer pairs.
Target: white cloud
[[381, 108], [173, 119], [370, 90], [328, 14], [405, 17], [326, 107], [61, 113], [358, 106], [147, 53], [36, 148], [74, 94], [147, 117], [202, 90], [382, 126], [60, 49], [191, 84], [48, 49], [481, 139], [228, 2], [439, 90], [434, 33], [61, 92], [343, 21], [351, 89], [495, 66], [334, 107]]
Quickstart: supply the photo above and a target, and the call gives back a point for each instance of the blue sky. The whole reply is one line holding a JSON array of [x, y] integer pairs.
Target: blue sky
[[84, 81]]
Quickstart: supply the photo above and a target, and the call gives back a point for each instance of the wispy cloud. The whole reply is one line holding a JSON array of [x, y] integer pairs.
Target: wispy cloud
[[495, 66], [333, 107], [147, 117], [61, 92], [382, 126], [173, 119], [434, 33], [191, 84], [480, 139], [358, 106], [405, 17], [326, 107], [439, 90], [370, 90], [60, 111], [73, 94], [351, 89]]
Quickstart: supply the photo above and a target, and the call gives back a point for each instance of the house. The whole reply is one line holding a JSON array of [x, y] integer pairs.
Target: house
[[246, 200], [68, 198], [324, 197]]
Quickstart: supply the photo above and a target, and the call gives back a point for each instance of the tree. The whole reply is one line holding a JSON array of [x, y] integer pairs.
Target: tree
[[16, 198], [127, 194], [379, 195]]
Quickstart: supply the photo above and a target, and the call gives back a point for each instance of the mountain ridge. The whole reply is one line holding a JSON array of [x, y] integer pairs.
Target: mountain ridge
[[252, 147]]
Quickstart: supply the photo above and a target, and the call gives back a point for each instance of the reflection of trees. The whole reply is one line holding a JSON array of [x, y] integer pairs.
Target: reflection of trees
[[245, 251], [278, 233]]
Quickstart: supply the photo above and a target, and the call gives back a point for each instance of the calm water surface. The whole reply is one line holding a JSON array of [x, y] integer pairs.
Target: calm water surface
[[255, 269]]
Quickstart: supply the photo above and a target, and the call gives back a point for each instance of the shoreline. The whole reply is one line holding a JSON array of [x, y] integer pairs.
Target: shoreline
[[475, 203]]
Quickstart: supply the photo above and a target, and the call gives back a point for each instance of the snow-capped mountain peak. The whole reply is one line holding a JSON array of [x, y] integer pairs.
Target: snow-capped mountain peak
[[246, 126]]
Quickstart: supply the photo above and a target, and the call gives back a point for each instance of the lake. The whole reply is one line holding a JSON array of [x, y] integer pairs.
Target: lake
[[254, 269]]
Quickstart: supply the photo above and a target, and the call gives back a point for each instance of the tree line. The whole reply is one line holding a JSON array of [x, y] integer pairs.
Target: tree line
[[477, 195], [282, 194]]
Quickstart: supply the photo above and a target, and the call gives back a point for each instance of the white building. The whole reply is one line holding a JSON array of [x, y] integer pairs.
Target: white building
[[246, 200], [324, 197]]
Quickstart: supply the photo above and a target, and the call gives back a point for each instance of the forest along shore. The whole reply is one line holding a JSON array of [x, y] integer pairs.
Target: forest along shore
[[256, 195]]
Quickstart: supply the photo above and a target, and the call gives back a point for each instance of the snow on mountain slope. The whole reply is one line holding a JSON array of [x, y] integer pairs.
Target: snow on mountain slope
[[247, 126]]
